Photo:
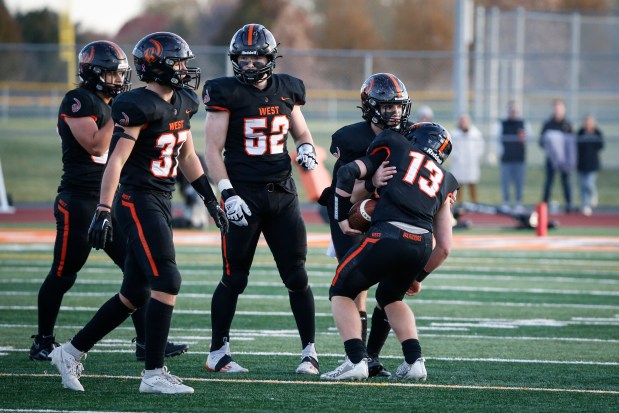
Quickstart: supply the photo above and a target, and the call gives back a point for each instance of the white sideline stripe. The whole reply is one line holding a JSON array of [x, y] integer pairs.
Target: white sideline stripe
[[321, 297], [61, 411], [340, 383], [239, 334]]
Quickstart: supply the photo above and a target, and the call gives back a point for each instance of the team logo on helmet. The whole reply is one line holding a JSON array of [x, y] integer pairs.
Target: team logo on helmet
[[125, 120], [151, 54]]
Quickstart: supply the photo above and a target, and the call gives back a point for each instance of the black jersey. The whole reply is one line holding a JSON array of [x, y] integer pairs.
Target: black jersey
[[417, 190], [153, 163], [81, 170], [255, 148], [349, 143]]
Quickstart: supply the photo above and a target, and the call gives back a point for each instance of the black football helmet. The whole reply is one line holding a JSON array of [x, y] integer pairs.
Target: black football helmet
[[380, 89], [431, 138], [155, 55], [253, 40], [101, 57]]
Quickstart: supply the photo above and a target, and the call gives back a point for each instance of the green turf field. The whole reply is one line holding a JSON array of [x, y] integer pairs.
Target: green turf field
[[502, 331]]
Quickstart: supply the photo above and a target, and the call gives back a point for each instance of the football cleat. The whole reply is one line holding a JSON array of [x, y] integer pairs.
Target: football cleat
[[309, 361], [42, 347], [162, 382], [348, 371], [376, 368], [69, 367], [171, 349], [220, 361], [416, 371]]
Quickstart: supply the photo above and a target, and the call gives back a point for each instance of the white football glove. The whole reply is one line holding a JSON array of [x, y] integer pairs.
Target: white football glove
[[236, 209], [306, 156]]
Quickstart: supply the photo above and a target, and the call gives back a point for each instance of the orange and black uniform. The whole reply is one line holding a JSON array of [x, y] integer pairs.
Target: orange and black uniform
[[392, 255], [259, 167], [77, 197]]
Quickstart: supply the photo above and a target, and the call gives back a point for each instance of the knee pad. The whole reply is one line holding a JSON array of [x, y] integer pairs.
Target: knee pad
[[60, 284], [235, 282], [296, 280], [137, 296]]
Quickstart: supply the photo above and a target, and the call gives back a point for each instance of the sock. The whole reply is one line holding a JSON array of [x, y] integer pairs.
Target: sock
[[70, 348], [158, 320], [139, 323], [378, 332], [223, 307], [411, 349], [302, 305], [364, 325], [355, 350], [51, 293], [110, 315]]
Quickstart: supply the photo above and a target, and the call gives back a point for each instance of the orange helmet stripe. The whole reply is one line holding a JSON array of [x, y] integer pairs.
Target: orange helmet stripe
[[444, 145], [395, 83], [250, 35]]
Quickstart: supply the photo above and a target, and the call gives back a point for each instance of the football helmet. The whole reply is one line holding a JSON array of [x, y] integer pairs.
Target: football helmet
[[101, 57], [431, 138], [154, 58], [380, 89], [253, 40]]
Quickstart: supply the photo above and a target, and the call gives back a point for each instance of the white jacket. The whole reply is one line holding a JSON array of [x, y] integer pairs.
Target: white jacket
[[466, 155]]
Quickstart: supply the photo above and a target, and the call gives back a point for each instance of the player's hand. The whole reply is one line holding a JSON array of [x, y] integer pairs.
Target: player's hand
[[100, 231], [414, 289], [218, 215], [306, 156], [236, 209], [346, 229], [383, 174]]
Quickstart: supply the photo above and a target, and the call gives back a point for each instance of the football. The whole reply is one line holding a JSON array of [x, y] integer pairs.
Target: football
[[360, 214]]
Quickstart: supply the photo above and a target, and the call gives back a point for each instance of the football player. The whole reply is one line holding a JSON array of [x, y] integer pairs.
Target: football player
[[384, 105], [151, 140], [249, 117], [396, 252], [85, 128]]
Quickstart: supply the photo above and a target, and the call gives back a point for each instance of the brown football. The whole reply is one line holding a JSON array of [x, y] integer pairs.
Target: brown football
[[360, 214]]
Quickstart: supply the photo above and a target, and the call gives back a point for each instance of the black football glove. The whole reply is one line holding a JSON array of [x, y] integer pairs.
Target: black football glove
[[218, 215], [100, 231]]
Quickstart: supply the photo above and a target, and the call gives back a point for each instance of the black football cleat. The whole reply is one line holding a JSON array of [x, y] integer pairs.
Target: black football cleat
[[42, 347], [376, 369], [171, 349]]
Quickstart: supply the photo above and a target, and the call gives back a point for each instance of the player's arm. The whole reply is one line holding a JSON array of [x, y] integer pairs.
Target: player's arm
[[94, 140], [302, 137], [111, 176], [442, 231], [216, 130], [100, 232]]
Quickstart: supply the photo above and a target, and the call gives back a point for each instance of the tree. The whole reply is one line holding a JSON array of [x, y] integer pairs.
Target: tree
[[9, 29]]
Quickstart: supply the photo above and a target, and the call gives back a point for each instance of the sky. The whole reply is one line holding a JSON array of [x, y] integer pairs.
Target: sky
[[105, 16]]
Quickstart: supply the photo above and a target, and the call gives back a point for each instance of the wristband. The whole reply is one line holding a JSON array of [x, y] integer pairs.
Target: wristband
[[341, 207], [202, 186], [227, 193], [104, 206], [369, 185], [422, 276]]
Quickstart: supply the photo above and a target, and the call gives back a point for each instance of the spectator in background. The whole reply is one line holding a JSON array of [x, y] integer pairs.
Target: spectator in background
[[511, 136], [468, 148], [558, 143], [589, 143], [425, 114]]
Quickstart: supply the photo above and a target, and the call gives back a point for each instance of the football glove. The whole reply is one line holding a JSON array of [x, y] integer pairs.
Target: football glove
[[100, 231], [218, 215], [236, 209], [306, 156]]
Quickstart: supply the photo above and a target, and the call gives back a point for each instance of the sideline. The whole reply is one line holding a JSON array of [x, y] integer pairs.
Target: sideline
[[321, 239]]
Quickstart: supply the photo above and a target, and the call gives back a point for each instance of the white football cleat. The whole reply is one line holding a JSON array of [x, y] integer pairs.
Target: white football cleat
[[416, 371], [348, 371], [309, 361], [69, 367], [162, 382], [220, 361]]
